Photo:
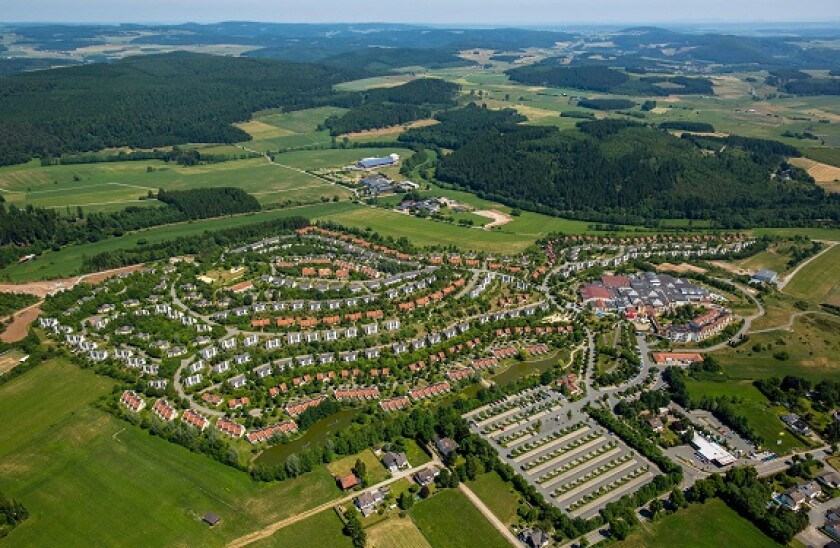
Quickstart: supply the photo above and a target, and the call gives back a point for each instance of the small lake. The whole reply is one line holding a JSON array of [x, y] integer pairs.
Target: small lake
[[525, 369], [316, 435]]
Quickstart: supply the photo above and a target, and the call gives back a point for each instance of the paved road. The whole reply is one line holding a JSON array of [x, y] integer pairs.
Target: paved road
[[793, 317], [812, 536], [491, 517], [269, 530]]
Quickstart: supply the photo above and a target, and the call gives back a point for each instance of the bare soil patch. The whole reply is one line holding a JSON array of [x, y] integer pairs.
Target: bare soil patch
[[497, 217], [684, 267], [19, 326]]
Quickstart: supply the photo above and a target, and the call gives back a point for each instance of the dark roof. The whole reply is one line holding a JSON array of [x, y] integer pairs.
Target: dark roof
[[445, 445], [212, 518]]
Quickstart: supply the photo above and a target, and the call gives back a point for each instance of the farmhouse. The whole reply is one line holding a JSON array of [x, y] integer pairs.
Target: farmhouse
[[367, 501], [395, 462], [426, 476]]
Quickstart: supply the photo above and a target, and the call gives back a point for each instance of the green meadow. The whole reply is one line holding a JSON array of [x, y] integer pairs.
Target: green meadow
[[449, 519], [88, 478]]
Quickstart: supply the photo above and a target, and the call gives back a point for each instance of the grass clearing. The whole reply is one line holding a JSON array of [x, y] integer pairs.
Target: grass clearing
[[498, 495], [415, 454], [813, 352], [396, 532], [699, 526], [376, 472], [449, 519], [80, 472]]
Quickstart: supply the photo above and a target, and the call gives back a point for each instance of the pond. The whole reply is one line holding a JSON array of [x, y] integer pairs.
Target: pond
[[316, 434], [520, 370]]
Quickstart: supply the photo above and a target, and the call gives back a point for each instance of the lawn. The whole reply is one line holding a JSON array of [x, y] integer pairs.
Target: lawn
[[414, 454], [82, 473], [322, 529], [700, 525], [818, 279], [376, 472], [813, 351], [396, 532], [755, 407], [498, 495], [449, 519], [68, 261]]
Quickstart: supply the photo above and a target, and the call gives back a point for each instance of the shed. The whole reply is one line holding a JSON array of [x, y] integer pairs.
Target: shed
[[211, 518]]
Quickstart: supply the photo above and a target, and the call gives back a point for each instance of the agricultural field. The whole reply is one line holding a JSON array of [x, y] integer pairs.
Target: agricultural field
[[111, 186], [810, 350], [818, 281], [449, 519], [396, 533], [498, 495], [79, 469], [273, 130], [699, 526], [754, 406]]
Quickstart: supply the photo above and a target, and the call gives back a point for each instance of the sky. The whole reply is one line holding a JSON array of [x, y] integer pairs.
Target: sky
[[445, 12]]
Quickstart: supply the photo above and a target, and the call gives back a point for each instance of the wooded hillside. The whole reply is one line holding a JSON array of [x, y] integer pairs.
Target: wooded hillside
[[150, 101]]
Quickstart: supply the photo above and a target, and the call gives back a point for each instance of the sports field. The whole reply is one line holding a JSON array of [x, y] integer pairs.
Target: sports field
[[88, 478], [699, 526], [449, 519]]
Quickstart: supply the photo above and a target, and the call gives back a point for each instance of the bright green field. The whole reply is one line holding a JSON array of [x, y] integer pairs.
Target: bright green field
[[68, 261], [376, 472], [116, 185], [819, 279], [498, 495], [699, 526], [813, 348], [322, 529], [82, 474], [755, 408], [449, 519]]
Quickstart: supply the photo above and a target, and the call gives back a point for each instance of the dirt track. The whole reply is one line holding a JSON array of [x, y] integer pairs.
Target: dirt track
[[498, 218], [22, 319]]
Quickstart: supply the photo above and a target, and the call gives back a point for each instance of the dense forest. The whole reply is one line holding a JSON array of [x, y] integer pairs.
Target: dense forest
[[12, 513], [385, 107], [814, 86], [701, 127], [606, 104], [151, 101], [383, 60], [12, 302], [458, 126], [200, 203], [607, 80], [619, 171]]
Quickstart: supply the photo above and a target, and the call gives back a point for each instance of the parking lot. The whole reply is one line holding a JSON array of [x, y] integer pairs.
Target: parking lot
[[576, 464]]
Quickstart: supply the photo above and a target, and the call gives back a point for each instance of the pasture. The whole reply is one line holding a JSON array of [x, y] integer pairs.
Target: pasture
[[449, 519], [81, 472], [690, 528]]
